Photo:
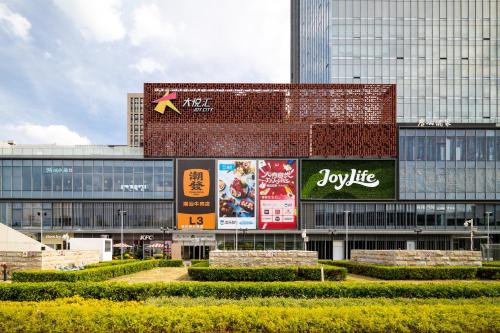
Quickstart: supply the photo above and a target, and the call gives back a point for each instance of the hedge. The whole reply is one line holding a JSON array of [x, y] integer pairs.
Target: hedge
[[201, 272], [418, 272], [91, 274], [111, 263], [198, 261], [171, 263], [238, 290], [492, 263], [77, 315], [243, 273]]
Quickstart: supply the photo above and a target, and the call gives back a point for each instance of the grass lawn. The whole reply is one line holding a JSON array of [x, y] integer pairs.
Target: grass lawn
[[161, 274]]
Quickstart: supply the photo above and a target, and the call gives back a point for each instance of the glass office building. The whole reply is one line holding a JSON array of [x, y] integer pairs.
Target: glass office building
[[80, 189], [442, 55]]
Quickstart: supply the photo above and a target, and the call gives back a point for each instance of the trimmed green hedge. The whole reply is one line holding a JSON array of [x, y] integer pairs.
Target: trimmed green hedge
[[201, 272], [243, 273], [171, 263], [91, 274], [238, 290], [198, 261], [111, 263], [77, 315], [418, 272], [492, 263]]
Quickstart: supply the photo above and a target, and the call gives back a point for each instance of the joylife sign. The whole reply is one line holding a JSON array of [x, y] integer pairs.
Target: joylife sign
[[195, 193], [348, 179]]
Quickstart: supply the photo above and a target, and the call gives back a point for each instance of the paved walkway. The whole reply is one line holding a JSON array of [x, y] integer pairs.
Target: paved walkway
[[162, 274]]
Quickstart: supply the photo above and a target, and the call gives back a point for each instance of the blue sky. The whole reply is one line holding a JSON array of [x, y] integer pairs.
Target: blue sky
[[67, 65]]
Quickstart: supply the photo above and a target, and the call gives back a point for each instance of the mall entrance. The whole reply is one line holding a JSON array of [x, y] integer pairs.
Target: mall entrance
[[195, 245]]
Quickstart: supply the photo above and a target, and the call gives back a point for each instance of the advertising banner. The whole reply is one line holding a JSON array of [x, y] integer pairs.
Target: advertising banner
[[277, 194], [196, 194], [236, 181], [348, 179]]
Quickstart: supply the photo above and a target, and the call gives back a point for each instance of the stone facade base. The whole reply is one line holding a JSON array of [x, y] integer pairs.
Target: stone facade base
[[417, 257], [18, 260], [262, 258]]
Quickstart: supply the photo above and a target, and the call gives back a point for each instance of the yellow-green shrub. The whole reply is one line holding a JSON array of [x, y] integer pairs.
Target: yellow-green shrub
[[78, 315]]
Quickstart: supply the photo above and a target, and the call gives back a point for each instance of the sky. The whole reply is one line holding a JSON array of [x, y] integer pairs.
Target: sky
[[66, 66]]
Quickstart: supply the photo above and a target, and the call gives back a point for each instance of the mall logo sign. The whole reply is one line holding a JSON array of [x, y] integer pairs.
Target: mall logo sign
[[359, 177], [196, 104]]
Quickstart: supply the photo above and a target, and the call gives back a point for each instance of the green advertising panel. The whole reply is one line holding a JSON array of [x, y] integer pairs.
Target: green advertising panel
[[348, 179]]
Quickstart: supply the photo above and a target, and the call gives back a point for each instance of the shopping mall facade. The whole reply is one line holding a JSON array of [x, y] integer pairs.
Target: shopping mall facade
[[276, 162]]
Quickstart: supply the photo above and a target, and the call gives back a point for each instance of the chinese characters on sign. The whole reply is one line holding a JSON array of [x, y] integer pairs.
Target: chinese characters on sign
[[196, 205], [277, 194], [198, 104], [58, 170], [134, 188], [436, 123], [236, 183]]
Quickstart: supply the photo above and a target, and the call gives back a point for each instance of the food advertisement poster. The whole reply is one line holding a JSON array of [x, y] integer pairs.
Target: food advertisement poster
[[348, 179], [277, 194], [196, 194], [236, 185]]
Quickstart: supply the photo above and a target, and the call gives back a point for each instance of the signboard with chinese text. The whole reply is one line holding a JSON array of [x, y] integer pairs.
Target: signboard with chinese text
[[236, 184], [196, 194], [277, 194]]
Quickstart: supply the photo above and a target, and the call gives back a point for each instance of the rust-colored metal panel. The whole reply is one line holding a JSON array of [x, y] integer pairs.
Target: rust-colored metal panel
[[270, 120]]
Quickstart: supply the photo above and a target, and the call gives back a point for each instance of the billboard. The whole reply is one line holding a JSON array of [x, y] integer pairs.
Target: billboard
[[236, 183], [277, 194], [348, 179], [195, 194]]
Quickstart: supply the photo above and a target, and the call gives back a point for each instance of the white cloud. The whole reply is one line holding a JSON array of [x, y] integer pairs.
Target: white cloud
[[216, 40], [148, 66], [37, 134], [14, 23], [99, 20], [149, 24]]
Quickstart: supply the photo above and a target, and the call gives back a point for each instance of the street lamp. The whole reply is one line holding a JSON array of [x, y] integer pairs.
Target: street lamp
[[41, 214], [418, 231], [346, 219], [305, 239], [332, 234], [165, 230], [236, 243], [488, 227], [244, 236], [121, 212], [470, 224], [488, 233]]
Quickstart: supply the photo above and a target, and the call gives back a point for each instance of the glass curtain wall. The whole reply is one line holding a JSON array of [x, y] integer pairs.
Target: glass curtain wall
[[74, 216], [86, 179], [433, 216], [451, 164]]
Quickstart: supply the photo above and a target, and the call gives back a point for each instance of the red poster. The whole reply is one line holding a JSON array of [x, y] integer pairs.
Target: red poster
[[277, 194]]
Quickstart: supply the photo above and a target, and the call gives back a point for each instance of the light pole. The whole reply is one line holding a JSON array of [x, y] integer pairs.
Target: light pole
[[418, 231], [488, 233], [470, 224], [244, 237], [236, 244], [332, 234], [121, 212], [305, 239], [346, 218], [41, 214], [488, 227], [167, 230]]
